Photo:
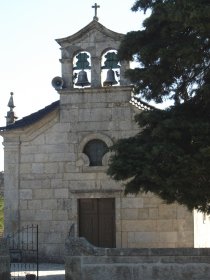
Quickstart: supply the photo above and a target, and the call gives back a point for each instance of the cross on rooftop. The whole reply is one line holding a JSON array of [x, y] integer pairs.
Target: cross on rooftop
[[95, 6]]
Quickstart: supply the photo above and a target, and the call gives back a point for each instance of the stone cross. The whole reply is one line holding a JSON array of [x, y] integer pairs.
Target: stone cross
[[95, 7]]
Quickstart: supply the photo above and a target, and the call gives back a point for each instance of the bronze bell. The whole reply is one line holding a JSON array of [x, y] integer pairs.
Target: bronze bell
[[82, 80], [110, 78]]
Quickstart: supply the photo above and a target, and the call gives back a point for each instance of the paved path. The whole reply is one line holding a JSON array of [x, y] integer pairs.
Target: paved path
[[46, 271]]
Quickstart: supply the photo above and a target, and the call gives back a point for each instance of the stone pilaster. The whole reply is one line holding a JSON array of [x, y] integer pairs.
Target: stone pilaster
[[96, 72], [11, 180], [67, 73]]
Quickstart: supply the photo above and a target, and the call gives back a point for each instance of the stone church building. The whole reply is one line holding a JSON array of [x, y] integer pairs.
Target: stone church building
[[56, 159]]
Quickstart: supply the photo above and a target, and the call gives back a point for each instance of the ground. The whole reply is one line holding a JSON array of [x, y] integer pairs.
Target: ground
[[46, 272]]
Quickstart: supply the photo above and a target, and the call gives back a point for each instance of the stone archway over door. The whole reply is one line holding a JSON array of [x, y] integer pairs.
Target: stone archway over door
[[97, 221]]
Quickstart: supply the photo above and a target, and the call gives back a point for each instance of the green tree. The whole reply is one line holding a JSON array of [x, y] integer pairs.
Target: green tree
[[171, 155]]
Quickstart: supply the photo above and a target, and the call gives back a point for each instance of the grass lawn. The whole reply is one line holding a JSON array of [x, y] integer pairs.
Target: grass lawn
[[1, 215]]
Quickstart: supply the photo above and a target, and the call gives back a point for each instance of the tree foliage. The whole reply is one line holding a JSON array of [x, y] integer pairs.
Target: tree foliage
[[172, 50], [170, 156]]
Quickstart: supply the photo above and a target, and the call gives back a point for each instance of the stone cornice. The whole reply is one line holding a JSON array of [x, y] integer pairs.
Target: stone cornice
[[91, 26], [32, 130], [99, 90], [29, 120]]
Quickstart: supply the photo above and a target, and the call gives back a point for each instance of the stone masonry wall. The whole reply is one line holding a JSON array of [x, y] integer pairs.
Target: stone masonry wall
[[48, 171], [86, 262], [147, 222]]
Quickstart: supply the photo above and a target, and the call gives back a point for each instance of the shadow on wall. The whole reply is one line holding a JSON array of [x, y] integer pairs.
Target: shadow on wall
[[1, 215]]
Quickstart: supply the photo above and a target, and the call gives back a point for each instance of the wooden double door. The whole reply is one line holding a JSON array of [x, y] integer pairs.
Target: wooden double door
[[97, 221]]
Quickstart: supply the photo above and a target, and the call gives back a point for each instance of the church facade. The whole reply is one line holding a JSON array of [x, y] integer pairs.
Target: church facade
[[56, 159]]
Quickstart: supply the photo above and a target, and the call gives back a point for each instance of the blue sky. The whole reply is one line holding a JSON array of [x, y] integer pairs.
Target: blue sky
[[29, 56]]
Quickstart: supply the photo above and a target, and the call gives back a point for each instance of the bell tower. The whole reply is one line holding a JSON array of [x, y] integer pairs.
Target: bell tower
[[89, 58]]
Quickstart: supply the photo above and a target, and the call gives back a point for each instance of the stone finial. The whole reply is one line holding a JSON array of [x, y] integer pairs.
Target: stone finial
[[11, 101], [11, 117]]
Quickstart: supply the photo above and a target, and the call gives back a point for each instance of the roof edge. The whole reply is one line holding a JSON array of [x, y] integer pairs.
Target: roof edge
[[140, 104], [32, 118]]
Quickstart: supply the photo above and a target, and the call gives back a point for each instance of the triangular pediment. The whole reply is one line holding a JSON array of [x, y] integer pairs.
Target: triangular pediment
[[93, 25]]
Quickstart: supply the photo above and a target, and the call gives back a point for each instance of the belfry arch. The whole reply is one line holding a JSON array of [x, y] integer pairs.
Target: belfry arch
[[82, 69], [108, 41], [110, 68]]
